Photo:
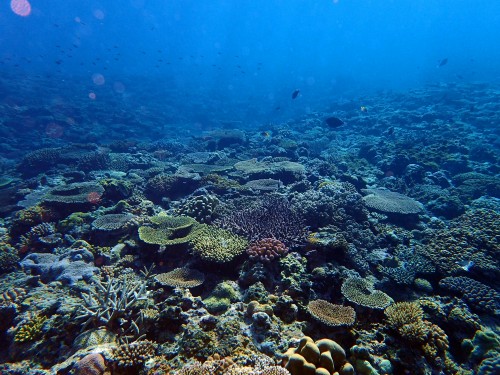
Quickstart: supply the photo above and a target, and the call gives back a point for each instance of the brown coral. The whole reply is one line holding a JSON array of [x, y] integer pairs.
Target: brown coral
[[181, 278], [330, 314]]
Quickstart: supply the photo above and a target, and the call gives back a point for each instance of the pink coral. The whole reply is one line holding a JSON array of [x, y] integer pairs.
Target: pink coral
[[91, 364], [267, 249]]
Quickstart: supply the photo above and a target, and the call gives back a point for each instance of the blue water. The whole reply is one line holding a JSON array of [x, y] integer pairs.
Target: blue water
[[243, 58]]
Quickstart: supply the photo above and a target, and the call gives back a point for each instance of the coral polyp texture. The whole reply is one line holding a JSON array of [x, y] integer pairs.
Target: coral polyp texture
[[361, 292], [181, 278], [266, 249], [324, 356], [217, 245], [391, 202], [272, 217], [168, 230], [330, 314]]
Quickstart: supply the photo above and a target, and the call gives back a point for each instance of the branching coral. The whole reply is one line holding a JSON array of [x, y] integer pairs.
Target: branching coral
[[111, 303], [273, 217], [31, 329]]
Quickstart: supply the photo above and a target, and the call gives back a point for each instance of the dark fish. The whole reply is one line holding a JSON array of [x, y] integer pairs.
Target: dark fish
[[334, 122], [442, 62], [295, 93]]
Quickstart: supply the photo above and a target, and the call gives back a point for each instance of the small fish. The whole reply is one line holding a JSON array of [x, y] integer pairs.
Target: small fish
[[442, 62], [295, 93], [265, 134], [466, 265], [334, 122], [390, 130], [363, 109]]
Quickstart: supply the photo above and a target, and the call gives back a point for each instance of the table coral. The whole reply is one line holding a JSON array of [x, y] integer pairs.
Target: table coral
[[360, 291], [181, 278], [330, 314], [391, 202], [168, 230]]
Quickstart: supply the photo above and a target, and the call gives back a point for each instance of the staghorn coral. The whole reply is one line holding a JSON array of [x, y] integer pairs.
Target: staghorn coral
[[266, 249], [330, 314], [361, 292], [111, 303], [217, 245], [133, 354], [390, 202], [272, 217], [183, 277], [477, 295]]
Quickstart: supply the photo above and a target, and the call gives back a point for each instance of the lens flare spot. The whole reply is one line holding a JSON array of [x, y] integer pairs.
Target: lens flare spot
[[21, 7], [93, 197], [119, 87], [53, 130], [98, 79], [99, 14]]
